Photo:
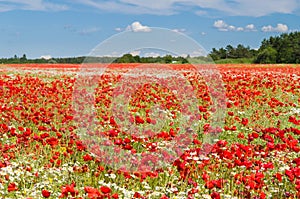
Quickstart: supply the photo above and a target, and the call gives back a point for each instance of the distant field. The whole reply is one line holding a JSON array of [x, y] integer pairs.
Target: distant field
[[247, 65]]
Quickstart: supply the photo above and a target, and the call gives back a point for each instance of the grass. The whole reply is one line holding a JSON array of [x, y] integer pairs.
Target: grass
[[235, 61]]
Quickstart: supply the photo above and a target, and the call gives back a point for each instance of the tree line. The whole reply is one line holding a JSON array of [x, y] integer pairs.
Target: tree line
[[167, 59], [126, 58], [284, 48], [230, 52], [281, 49]]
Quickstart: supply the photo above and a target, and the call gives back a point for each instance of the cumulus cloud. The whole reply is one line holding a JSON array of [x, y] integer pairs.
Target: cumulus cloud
[[279, 28], [138, 27], [223, 26], [233, 28], [250, 27]]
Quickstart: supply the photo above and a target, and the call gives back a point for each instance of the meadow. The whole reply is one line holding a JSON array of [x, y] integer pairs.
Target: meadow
[[254, 154]]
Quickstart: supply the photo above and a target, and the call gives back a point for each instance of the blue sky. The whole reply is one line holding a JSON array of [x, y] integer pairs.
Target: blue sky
[[74, 27]]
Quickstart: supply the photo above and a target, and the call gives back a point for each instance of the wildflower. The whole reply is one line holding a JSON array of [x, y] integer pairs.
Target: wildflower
[[46, 193], [105, 189], [12, 187]]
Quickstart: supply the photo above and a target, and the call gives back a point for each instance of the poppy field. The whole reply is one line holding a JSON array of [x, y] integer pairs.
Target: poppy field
[[254, 155]]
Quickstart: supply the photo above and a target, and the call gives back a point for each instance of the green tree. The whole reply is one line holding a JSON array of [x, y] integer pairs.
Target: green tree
[[214, 54], [243, 52], [267, 56], [168, 59], [126, 58], [287, 48], [230, 51]]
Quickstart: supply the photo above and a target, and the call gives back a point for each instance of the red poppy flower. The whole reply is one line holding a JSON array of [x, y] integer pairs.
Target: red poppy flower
[[105, 189], [46, 193], [87, 157], [12, 187], [245, 121], [215, 195], [139, 120], [92, 192]]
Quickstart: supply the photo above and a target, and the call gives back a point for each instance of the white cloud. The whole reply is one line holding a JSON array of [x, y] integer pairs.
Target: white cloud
[[138, 27], [181, 30], [168, 7], [279, 28], [135, 53], [250, 27], [47, 57], [258, 8], [118, 29], [38, 5], [223, 26], [232, 28], [135, 7]]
